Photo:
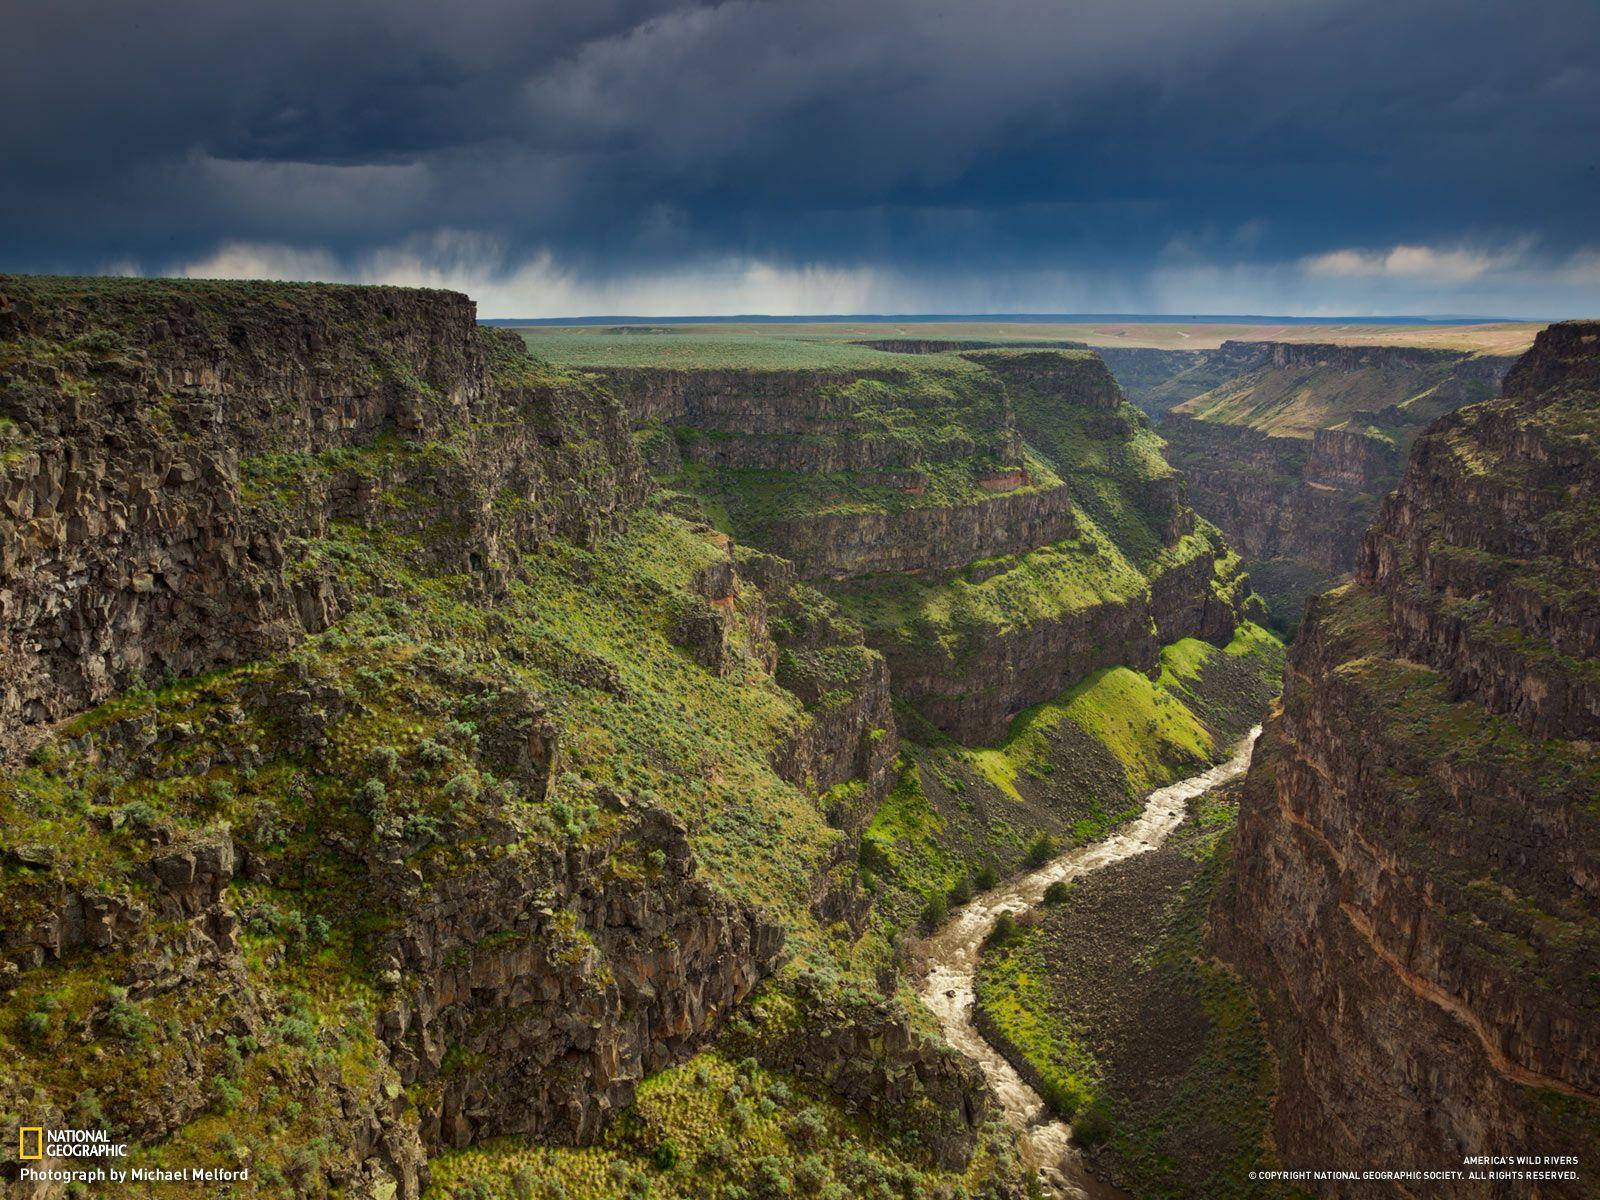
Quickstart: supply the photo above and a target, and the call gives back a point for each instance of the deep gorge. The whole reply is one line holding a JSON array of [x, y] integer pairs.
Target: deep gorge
[[1290, 446], [432, 770]]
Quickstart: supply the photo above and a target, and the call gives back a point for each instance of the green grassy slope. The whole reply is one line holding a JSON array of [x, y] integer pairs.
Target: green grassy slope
[[1296, 401], [716, 1129], [1068, 771], [381, 729]]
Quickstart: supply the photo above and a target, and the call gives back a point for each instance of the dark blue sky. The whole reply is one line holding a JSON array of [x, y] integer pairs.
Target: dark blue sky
[[1295, 156]]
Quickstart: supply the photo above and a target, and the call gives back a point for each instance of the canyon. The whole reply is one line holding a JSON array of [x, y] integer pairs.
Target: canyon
[[453, 763], [1290, 446], [426, 764], [999, 521], [1409, 892]]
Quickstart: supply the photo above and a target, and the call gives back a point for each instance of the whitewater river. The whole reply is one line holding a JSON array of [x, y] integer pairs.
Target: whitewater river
[[953, 962]]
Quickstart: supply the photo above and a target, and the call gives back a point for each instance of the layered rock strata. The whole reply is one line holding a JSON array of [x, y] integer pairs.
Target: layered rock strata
[[967, 474], [1291, 455], [1416, 896], [142, 423]]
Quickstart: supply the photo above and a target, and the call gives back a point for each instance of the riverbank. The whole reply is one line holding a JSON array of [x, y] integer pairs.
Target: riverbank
[[952, 956], [1106, 1000]]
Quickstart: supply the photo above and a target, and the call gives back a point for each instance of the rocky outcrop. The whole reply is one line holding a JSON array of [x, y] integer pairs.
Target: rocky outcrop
[[849, 472], [1081, 380], [845, 688], [1277, 497], [867, 1050], [149, 432], [1352, 357], [172, 933], [528, 984], [1417, 881], [954, 475], [1485, 553], [969, 681], [558, 979], [1071, 409], [972, 689], [943, 538], [736, 400], [1351, 460]]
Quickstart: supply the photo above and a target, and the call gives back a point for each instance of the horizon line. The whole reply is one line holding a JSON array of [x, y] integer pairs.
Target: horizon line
[[1017, 318]]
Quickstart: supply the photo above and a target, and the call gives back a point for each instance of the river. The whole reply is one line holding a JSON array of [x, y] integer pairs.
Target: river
[[952, 955]]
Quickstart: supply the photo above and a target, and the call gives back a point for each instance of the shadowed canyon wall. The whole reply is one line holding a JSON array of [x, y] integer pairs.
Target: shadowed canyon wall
[[1292, 449], [1416, 891], [357, 586]]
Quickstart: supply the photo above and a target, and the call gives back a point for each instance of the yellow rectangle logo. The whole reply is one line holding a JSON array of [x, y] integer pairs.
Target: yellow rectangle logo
[[38, 1142]]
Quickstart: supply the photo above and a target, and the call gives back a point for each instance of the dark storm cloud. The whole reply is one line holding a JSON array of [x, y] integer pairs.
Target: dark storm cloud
[[1119, 142]]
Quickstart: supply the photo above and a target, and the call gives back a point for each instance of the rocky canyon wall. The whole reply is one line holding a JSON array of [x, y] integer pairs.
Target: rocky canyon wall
[[139, 422], [1416, 893], [999, 520], [1291, 455], [356, 586]]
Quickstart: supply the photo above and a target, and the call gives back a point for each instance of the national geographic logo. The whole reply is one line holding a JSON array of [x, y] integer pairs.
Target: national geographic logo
[[35, 1142]]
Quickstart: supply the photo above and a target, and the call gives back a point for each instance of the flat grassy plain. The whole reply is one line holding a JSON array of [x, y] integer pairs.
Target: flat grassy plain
[[829, 343], [694, 348]]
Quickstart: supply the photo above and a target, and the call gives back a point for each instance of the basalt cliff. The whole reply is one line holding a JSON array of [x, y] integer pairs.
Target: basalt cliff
[[1291, 449], [1001, 522], [427, 771], [1416, 883]]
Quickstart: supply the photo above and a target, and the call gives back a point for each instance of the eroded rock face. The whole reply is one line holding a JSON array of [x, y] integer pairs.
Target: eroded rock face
[[953, 476], [1417, 892], [559, 980], [1024, 664], [529, 984], [1292, 452], [866, 1050], [171, 942], [1486, 552], [923, 539], [1080, 381], [889, 432], [164, 446], [167, 454], [1278, 497]]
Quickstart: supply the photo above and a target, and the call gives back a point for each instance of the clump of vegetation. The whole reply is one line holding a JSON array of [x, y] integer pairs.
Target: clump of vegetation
[[734, 1130], [1002, 932], [1041, 850]]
